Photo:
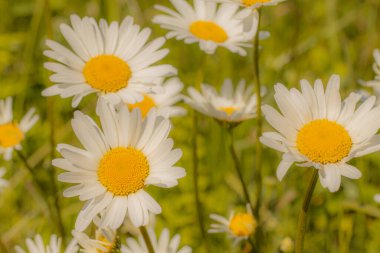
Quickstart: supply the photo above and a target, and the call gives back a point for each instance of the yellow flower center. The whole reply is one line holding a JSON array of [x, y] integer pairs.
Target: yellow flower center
[[324, 141], [123, 170], [10, 135], [105, 243], [252, 2], [243, 224], [208, 30], [228, 110], [145, 105], [107, 73]]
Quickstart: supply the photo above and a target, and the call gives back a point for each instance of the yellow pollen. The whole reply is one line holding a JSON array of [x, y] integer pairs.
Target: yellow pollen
[[243, 224], [107, 73], [324, 141], [228, 110], [105, 243], [252, 2], [10, 135], [145, 105], [208, 30], [123, 170]]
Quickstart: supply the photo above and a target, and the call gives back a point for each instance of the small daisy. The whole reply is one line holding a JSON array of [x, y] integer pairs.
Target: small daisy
[[228, 106], [3, 182], [239, 226], [316, 129], [163, 101], [117, 163], [110, 60], [375, 84], [163, 245], [105, 241], [37, 246], [254, 4], [11, 132], [210, 24]]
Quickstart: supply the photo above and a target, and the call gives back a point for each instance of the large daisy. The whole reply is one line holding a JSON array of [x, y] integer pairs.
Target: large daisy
[[210, 24], [230, 105], [314, 128], [13, 133], [111, 60], [117, 163], [163, 245], [38, 246], [251, 3], [164, 101]]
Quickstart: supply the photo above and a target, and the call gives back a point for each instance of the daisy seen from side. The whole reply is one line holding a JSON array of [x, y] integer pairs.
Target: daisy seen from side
[[106, 241]]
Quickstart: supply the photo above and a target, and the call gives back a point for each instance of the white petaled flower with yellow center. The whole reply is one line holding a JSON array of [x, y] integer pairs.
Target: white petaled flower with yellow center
[[164, 101], [231, 105], [105, 241], [239, 226], [3, 182], [315, 128], [210, 24], [38, 246], [163, 245], [112, 60], [117, 163], [251, 3], [13, 133]]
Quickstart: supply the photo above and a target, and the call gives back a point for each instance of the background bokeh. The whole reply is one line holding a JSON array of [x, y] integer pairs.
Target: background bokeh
[[309, 39]]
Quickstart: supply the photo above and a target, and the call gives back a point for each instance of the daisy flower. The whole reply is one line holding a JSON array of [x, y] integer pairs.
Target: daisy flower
[[11, 132], [287, 245], [117, 163], [38, 246], [251, 3], [111, 60], [3, 182], [105, 241], [163, 101], [314, 128], [228, 106], [210, 24], [239, 226], [375, 84], [163, 245]]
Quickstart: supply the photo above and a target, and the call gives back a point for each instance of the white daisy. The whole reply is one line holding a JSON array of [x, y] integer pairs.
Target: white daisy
[[11, 132], [209, 23], [375, 84], [254, 4], [37, 246], [111, 60], [117, 163], [163, 245], [105, 241], [228, 106], [3, 182], [316, 129], [163, 101], [239, 226]]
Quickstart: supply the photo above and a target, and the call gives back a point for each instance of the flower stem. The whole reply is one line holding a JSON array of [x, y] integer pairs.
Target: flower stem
[[147, 240], [302, 220]]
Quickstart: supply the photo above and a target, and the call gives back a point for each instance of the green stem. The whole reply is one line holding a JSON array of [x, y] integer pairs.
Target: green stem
[[147, 240], [302, 220]]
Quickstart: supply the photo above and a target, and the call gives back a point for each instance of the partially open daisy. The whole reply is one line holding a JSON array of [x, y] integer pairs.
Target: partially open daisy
[[375, 83], [210, 24], [105, 241], [240, 226], [163, 245], [110, 60], [316, 129], [38, 246], [163, 101], [228, 106], [3, 182], [13, 133], [117, 163], [251, 3]]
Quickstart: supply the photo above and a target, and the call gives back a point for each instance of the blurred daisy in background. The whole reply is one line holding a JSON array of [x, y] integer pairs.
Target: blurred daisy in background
[[377, 198], [3, 182], [210, 24], [230, 105], [374, 84], [239, 226], [251, 3], [105, 241], [287, 245], [111, 60], [163, 245], [163, 101], [38, 246], [13, 133], [117, 163], [316, 129]]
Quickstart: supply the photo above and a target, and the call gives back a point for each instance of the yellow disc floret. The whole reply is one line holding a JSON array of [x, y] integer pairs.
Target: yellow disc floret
[[252, 2], [228, 110], [145, 105], [324, 141], [208, 30], [10, 135], [123, 170], [243, 224], [107, 73]]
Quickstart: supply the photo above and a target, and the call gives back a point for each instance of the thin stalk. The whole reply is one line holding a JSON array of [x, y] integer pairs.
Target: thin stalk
[[258, 174], [147, 240], [302, 220]]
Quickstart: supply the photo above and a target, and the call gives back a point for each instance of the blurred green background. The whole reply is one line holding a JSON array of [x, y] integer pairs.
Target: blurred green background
[[309, 39]]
